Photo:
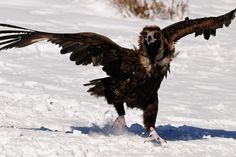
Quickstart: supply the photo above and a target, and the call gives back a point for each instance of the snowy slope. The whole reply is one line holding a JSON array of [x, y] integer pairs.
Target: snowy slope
[[45, 110]]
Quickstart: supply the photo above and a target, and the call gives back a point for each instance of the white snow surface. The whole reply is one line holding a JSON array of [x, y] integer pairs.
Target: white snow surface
[[46, 111]]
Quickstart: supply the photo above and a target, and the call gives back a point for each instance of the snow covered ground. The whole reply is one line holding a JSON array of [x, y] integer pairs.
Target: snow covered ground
[[46, 111]]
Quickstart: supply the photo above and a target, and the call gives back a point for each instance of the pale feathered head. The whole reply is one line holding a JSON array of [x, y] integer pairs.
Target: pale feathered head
[[151, 35]]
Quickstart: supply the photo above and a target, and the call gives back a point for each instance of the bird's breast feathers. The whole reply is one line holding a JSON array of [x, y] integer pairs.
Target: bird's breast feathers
[[145, 62], [160, 66]]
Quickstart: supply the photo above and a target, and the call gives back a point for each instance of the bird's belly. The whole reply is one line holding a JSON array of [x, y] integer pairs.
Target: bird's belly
[[139, 94]]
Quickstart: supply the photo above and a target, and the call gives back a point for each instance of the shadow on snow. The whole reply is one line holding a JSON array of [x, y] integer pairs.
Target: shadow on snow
[[168, 132]]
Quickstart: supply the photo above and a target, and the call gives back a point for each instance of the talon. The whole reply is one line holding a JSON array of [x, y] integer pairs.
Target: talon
[[153, 136], [119, 123]]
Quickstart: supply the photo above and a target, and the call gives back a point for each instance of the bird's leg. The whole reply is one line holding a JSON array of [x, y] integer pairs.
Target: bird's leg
[[120, 123], [149, 117]]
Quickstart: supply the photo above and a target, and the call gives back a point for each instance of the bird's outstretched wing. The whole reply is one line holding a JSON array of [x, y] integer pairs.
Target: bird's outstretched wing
[[206, 26], [85, 48]]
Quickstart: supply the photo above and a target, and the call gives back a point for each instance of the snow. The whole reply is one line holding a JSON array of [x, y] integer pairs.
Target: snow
[[46, 111]]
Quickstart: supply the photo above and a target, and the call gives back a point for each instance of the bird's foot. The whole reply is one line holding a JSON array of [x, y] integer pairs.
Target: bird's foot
[[154, 137], [119, 123]]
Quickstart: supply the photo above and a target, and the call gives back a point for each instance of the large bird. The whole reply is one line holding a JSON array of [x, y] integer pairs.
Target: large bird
[[134, 75]]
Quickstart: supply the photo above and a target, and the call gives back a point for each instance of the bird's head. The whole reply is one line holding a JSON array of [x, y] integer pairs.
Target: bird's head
[[151, 35]]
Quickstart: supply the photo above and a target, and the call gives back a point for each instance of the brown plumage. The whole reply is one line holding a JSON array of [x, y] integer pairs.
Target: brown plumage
[[135, 75]]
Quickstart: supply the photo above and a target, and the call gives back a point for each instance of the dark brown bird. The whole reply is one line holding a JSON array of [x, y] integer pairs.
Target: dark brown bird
[[135, 74]]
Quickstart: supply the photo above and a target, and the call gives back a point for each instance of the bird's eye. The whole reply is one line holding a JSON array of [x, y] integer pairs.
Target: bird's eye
[[144, 34], [156, 35]]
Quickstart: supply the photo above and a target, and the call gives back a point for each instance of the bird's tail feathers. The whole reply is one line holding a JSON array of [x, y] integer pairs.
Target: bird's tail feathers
[[105, 87]]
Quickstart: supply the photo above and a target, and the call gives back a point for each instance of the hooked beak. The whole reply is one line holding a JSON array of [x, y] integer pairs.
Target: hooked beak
[[150, 39]]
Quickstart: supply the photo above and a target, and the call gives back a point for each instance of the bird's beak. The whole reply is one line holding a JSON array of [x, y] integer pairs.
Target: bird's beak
[[150, 40]]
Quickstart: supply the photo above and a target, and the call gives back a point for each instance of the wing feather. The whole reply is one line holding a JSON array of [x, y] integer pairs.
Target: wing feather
[[203, 26], [84, 48]]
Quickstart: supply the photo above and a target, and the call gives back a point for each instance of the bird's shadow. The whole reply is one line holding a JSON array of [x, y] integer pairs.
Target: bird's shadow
[[168, 132]]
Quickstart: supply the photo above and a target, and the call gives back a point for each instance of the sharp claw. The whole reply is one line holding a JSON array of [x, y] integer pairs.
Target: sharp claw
[[119, 123], [153, 136]]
